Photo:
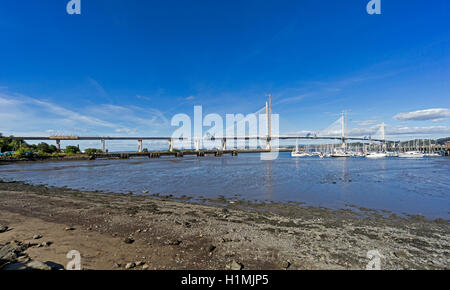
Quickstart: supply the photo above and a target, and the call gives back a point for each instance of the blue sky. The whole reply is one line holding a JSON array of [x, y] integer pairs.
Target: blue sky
[[126, 67]]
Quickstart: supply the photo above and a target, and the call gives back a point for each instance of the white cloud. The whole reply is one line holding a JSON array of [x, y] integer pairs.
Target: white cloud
[[365, 123], [125, 131], [22, 115], [423, 115], [419, 130], [143, 97]]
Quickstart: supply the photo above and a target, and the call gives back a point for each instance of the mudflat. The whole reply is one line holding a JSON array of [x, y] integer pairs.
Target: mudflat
[[116, 231]]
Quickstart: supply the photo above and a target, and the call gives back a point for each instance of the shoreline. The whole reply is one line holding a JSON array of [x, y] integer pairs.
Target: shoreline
[[170, 233]]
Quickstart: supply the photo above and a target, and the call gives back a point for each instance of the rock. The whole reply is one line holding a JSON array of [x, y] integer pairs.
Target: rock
[[116, 266], [211, 248], [401, 254], [38, 265], [15, 267], [236, 266], [285, 264], [3, 229], [128, 241], [46, 244], [130, 266], [139, 263], [37, 237], [174, 242], [55, 266], [69, 229], [145, 267], [145, 191], [8, 254]]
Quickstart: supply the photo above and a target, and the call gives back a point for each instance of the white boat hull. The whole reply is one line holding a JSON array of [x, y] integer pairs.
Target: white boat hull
[[411, 155], [376, 155]]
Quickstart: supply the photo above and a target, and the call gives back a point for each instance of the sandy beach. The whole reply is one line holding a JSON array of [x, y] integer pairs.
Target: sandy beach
[[113, 231]]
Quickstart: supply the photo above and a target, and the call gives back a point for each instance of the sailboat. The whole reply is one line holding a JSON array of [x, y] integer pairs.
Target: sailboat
[[411, 154], [297, 153], [375, 155], [340, 154]]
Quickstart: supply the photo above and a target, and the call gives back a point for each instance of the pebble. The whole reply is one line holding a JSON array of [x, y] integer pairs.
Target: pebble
[[37, 265], [69, 229], [130, 266], [116, 266], [236, 266], [145, 267], [285, 264], [128, 241], [174, 242], [46, 244], [3, 229], [37, 237]]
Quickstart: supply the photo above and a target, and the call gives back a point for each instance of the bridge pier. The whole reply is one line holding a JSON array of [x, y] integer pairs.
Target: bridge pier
[[154, 155], [58, 145], [171, 145], [268, 144], [103, 146], [140, 145], [224, 144], [197, 144]]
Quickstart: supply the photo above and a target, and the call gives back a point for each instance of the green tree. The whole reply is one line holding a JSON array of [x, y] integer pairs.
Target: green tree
[[72, 150], [44, 148], [91, 151]]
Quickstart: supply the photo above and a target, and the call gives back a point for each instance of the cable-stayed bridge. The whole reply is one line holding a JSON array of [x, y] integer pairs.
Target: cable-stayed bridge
[[337, 131]]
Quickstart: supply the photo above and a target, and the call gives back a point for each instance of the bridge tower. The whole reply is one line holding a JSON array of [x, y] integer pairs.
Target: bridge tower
[[383, 136], [269, 121], [344, 129]]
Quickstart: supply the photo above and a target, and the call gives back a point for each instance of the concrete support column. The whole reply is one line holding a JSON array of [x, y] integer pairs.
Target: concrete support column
[[170, 145], [58, 145], [140, 145], [197, 144], [269, 143], [224, 144], [103, 146]]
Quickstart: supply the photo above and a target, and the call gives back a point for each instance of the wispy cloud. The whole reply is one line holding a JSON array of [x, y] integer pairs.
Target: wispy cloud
[[428, 130], [143, 98], [424, 115], [126, 131], [365, 123], [99, 88], [20, 114], [291, 99]]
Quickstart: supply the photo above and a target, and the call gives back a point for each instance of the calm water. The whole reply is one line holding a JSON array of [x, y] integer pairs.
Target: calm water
[[419, 186]]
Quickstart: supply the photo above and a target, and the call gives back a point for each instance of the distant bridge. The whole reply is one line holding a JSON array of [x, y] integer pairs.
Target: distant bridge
[[341, 123], [171, 140]]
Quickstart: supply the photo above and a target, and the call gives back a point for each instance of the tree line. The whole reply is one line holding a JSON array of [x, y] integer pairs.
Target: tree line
[[20, 149]]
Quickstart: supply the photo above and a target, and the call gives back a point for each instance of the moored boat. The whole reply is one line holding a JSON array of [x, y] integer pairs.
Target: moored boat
[[411, 154], [375, 155]]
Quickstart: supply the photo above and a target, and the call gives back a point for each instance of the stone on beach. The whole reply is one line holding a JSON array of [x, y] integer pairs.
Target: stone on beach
[[236, 266]]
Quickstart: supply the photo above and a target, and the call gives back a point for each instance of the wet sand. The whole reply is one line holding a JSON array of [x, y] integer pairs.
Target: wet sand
[[159, 232]]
